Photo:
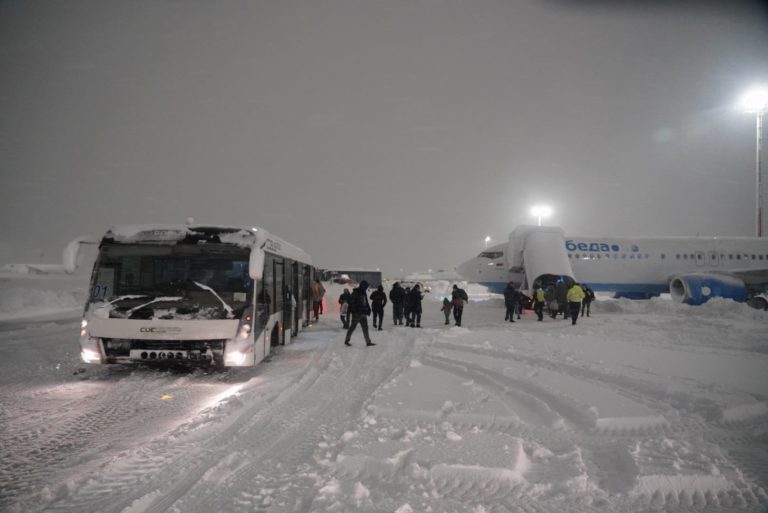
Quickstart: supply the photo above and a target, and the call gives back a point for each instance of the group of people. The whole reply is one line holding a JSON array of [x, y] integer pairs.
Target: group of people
[[406, 304], [562, 298]]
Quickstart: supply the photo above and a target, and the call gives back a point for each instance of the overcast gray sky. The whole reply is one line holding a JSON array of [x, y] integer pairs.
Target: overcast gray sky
[[393, 134]]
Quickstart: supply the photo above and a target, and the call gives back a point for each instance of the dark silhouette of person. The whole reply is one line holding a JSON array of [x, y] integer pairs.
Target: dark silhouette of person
[[378, 302], [415, 304], [407, 305], [344, 300], [397, 298], [359, 309], [458, 298], [511, 298], [589, 296]]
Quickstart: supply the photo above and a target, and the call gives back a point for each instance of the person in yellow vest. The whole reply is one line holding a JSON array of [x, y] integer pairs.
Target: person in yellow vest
[[575, 296]]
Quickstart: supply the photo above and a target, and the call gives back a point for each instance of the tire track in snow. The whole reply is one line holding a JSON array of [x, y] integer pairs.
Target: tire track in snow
[[325, 414], [127, 480], [267, 420]]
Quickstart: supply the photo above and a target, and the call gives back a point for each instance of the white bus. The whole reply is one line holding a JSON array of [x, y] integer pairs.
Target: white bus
[[200, 295]]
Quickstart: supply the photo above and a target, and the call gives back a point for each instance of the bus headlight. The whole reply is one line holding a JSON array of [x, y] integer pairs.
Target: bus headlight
[[90, 356], [83, 326], [235, 358]]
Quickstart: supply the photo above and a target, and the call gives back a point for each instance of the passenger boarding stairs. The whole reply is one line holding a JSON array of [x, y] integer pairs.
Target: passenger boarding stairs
[[539, 252]]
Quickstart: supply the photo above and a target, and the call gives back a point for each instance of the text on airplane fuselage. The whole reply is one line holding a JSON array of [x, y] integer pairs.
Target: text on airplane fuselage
[[595, 247]]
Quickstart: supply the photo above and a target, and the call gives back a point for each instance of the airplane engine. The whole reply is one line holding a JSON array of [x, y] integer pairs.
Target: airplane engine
[[698, 288]]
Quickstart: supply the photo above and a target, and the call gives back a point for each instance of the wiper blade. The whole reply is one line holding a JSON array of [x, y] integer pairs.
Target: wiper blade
[[155, 300], [129, 296], [230, 311]]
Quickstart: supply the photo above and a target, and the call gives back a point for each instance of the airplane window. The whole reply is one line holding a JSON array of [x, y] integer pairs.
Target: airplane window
[[647, 255], [569, 255], [624, 255], [738, 257], [685, 257], [663, 256], [677, 256], [730, 257], [760, 257]]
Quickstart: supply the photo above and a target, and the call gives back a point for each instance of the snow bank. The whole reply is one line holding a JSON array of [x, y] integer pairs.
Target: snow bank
[[715, 307], [23, 302]]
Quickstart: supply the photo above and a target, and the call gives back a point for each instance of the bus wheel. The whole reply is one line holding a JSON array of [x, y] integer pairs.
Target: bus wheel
[[274, 339]]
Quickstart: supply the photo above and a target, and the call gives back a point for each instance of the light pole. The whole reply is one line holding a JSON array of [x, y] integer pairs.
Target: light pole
[[487, 240], [539, 211], [755, 102]]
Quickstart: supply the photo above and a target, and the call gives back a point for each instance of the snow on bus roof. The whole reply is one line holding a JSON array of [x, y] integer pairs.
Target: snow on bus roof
[[235, 235]]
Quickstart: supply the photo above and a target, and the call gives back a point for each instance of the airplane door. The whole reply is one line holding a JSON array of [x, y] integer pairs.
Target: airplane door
[[714, 259], [700, 261]]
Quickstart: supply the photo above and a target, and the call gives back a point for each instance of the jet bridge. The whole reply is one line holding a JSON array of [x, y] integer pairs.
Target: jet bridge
[[539, 252]]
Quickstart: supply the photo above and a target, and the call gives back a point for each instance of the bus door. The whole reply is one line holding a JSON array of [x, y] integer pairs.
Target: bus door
[[307, 294], [278, 293], [296, 304], [288, 299]]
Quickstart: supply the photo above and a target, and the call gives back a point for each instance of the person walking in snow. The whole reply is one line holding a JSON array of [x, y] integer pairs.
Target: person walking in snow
[[561, 291], [589, 296], [397, 297], [318, 291], [539, 300], [407, 305], [344, 299], [359, 309], [415, 306], [511, 298], [446, 309], [378, 302], [458, 298], [575, 296]]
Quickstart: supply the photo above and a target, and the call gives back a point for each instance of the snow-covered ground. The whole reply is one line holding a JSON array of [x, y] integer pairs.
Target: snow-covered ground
[[644, 406]]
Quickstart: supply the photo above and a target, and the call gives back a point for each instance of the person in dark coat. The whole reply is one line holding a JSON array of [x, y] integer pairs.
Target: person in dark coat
[[415, 306], [407, 305], [458, 298], [561, 290], [589, 296], [378, 302], [511, 298], [551, 299], [397, 297], [359, 309], [344, 299]]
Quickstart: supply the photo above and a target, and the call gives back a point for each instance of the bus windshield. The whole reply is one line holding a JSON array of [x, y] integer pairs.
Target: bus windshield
[[206, 281]]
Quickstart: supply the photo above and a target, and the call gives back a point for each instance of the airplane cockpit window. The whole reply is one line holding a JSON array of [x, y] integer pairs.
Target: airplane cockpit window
[[492, 254]]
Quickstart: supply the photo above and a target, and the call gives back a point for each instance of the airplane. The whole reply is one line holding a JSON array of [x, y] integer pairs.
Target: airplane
[[691, 269]]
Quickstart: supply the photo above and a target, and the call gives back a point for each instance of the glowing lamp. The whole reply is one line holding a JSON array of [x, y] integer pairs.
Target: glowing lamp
[[755, 100]]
